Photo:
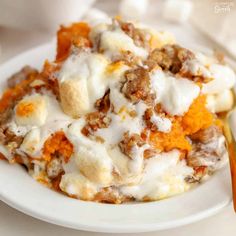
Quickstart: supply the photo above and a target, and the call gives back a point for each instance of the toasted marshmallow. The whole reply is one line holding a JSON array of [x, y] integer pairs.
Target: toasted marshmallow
[[82, 82], [132, 9], [96, 32], [31, 142], [74, 97], [90, 156], [177, 11], [31, 110], [161, 38], [157, 38], [114, 42], [164, 176], [95, 164], [95, 16], [175, 95], [75, 184], [123, 167], [220, 102], [223, 77]]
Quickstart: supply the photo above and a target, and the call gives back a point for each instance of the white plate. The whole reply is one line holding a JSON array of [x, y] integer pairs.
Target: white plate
[[20, 191]]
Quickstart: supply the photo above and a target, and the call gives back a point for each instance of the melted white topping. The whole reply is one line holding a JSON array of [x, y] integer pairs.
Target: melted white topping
[[121, 118], [121, 123], [136, 165], [98, 160], [114, 133], [87, 67], [119, 101], [39, 167], [129, 170], [17, 129], [57, 120], [77, 185], [163, 176], [223, 78], [31, 142], [174, 94], [220, 102], [196, 68], [91, 157], [163, 124], [115, 41]]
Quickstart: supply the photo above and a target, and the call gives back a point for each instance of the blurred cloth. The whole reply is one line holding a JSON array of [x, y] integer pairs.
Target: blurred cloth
[[37, 21], [41, 15], [217, 19]]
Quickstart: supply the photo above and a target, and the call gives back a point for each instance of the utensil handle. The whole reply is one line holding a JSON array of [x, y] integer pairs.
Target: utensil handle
[[230, 133], [232, 159]]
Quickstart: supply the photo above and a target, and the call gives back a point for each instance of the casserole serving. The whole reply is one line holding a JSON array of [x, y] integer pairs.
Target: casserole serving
[[122, 114]]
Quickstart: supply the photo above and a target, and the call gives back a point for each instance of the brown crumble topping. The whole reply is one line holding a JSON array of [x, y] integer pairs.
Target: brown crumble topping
[[129, 141], [139, 36], [103, 104], [206, 135], [199, 173], [111, 195], [128, 58], [10, 139], [147, 118], [54, 167], [95, 120], [150, 152], [21, 75], [169, 58], [205, 147], [137, 86]]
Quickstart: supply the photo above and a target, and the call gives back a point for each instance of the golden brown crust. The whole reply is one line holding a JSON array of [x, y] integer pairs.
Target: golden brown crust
[[74, 97]]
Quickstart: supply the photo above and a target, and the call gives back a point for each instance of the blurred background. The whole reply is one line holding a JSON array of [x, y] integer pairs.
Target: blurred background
[[25, 23]]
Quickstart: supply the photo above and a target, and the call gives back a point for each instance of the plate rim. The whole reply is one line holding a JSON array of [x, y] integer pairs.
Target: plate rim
[[117, 229]]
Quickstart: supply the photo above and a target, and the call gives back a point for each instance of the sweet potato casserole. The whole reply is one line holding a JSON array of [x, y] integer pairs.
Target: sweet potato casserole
[[122, 114]]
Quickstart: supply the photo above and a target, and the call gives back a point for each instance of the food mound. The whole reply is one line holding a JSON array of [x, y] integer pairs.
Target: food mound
[[122, 114]]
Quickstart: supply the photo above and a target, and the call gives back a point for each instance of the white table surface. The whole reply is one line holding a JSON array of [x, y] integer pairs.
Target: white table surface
[[14, 223]]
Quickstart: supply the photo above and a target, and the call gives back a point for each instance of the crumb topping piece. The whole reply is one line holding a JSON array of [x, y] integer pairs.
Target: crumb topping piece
[[169, 58], [129, 142], [208, 152], [137, 86]]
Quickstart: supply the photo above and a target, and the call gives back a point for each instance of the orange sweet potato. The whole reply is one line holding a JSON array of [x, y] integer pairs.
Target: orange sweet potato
[[74, 34]]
